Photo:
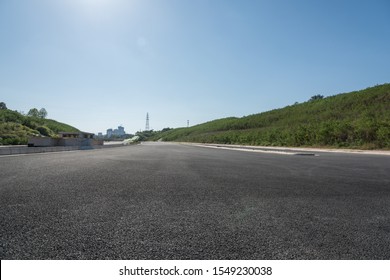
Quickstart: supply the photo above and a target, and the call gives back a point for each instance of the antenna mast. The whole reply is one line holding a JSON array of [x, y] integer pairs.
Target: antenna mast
[[147, 122]]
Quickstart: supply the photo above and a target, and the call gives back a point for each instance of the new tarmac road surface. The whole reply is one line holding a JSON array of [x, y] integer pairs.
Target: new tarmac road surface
[[173, 201]]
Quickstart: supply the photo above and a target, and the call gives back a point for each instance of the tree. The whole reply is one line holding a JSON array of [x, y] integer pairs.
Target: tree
[[3, 106], [42, 113], [316, 97], [33, 113]]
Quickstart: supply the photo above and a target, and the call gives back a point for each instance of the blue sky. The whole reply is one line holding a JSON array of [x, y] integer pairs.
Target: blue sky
[[97, 64]]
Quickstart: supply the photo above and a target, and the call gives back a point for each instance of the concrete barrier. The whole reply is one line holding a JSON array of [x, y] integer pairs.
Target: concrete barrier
[[15, 150]]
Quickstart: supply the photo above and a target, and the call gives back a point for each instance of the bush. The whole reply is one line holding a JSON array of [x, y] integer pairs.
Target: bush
[[45, 131]]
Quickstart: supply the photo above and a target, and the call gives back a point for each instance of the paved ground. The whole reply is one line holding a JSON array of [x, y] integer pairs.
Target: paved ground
[[171, 201]]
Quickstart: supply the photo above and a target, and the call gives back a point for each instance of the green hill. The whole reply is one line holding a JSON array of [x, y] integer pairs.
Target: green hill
[[15, 128], [359, 119]]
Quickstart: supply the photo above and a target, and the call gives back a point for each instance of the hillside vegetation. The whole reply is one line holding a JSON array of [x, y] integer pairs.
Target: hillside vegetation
[[15, 128], [359, 119]]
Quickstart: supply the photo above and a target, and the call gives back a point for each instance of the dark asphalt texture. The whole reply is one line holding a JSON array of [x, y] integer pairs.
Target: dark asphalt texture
[[172, 201]]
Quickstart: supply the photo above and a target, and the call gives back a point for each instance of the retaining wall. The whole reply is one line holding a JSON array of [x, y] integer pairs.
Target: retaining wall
[[14, 150]]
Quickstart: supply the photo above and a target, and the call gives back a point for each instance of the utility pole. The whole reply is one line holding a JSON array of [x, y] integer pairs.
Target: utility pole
[[188, 123]]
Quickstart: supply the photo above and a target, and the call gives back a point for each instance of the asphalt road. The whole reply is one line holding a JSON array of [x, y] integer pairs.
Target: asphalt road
[[172, 201]]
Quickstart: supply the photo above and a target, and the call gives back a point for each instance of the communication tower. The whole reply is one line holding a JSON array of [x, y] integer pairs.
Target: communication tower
[[147, 122]]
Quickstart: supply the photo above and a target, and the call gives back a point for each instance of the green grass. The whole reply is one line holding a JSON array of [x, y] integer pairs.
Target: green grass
[[15, 128], [359, 119]]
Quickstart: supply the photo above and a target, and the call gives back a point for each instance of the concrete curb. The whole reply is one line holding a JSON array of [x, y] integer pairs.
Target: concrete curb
[[257, 150], [289, 150]]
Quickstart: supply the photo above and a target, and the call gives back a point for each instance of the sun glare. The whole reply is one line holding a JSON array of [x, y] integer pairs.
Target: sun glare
[[99, 9], [98, 4]]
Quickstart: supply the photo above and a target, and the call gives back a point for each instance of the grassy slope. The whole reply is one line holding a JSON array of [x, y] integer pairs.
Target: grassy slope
[[15, 128], [359, 119]]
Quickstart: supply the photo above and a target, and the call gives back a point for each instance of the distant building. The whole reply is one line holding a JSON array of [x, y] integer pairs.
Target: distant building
[[121, 131], [118, 132]]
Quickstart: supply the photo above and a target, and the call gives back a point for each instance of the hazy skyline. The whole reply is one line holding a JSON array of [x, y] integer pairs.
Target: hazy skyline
[[97, 64]]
